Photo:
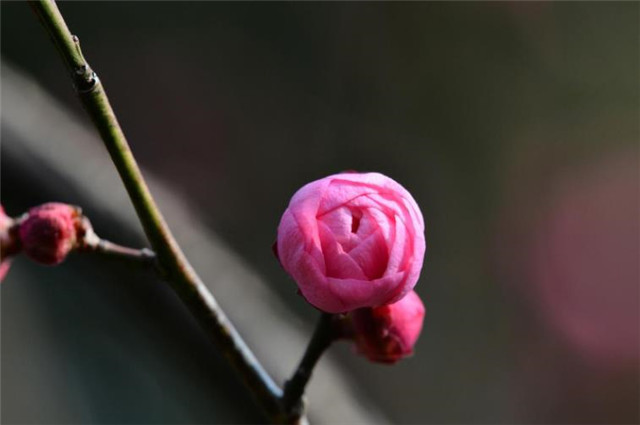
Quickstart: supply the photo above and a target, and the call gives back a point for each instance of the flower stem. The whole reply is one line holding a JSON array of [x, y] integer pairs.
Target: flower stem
[[171, 261], [292, 399]]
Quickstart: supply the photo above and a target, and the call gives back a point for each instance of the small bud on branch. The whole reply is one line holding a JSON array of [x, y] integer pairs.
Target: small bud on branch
[[388, 333], [50, 231]]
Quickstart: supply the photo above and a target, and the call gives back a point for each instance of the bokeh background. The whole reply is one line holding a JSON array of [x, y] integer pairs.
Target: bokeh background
[[514, 125]]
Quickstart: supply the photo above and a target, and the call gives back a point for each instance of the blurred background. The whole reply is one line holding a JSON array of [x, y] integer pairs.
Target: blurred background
[[514, 125]]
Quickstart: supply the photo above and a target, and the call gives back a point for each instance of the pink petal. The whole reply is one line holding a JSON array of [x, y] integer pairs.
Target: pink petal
[[339, 264], [343, 192], [372, 255], [365, 293]]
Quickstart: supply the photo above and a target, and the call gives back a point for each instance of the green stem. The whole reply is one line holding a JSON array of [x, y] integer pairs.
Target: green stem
[[292, 399], [172, 262]]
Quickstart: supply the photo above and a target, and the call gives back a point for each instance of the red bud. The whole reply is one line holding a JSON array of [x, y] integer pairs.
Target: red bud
[[50, 232]]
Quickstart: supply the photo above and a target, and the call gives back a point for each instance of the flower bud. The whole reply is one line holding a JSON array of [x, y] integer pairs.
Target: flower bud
[[352, 240], [387, 334], [50, 231]]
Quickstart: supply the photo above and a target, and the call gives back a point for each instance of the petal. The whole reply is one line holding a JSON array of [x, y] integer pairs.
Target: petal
[[374, 219], [342, 192], [417, 260], [308, 197], [408, 316], [339, 264], [339, 221], [296, 241], [356, 293], [316, 287], [372, 255], [398, 249]]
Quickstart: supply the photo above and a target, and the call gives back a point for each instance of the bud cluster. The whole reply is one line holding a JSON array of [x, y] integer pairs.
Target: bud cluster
[[354, 243]]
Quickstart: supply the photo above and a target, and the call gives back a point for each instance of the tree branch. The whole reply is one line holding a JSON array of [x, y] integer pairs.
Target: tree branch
[[292, 399], [171, 261]]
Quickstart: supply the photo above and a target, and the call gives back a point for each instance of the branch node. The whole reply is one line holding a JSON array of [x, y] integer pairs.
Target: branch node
[[86, 80]]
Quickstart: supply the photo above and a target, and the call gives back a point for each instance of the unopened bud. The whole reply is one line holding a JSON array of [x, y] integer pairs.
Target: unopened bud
[[352, 240], [387, 334], [50, 231]]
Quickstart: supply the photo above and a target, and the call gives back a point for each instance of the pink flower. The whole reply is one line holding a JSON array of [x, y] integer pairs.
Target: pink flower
[[49, 232], [9, 243], [387, 334], [352, 240]]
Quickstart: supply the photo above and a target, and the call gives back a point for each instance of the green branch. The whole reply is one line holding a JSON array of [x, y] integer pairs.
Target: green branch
[[171, 261]]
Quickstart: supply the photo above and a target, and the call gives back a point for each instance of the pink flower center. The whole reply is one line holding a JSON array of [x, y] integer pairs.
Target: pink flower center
[[355, 221], [353, 244]]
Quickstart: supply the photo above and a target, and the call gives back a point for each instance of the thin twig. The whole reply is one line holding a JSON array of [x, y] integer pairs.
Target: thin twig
[[172, 262], [292, 399], [143, 256], [91, 242]]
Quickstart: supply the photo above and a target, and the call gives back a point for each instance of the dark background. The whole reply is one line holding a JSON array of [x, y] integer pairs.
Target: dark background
[[514, 125]]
